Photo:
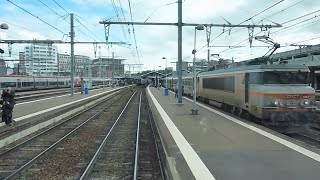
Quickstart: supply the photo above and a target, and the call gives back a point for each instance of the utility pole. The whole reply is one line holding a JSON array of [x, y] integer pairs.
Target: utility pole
[[208, 32], [179, 25], [179, 65], [72, 53], [112, 68]]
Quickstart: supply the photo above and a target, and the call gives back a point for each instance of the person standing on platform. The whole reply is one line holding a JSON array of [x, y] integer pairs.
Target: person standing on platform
[[182, 90], [7, 106], [176, 91]]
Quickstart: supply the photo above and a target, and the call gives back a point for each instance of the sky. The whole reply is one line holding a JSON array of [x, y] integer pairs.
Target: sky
[[155, 42]]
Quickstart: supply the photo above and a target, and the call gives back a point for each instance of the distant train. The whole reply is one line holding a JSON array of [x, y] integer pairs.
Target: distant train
[[24, 83], [142, 81], [279, 95]]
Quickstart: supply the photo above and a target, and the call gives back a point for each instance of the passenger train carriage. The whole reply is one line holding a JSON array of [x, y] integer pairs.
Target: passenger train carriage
[[277, 94], [24, 83]]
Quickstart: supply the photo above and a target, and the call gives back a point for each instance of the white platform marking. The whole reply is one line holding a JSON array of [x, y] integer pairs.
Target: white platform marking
[[289, 144], [198, 168], [57, 107]]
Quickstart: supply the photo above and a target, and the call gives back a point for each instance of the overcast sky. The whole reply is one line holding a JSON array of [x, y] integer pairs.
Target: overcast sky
[[155, 42]]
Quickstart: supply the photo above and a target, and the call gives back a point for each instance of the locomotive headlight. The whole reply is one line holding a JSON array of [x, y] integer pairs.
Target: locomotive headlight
[[282, 103], [276, 102], [305, 102]]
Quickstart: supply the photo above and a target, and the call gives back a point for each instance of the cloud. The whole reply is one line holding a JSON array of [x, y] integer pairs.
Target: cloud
[[30, 35], [155, 42]]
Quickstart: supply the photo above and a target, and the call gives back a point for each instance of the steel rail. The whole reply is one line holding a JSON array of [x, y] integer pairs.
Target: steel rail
[[53, 127], [26, 165], [136, 157], [155, 141], [88, 169]]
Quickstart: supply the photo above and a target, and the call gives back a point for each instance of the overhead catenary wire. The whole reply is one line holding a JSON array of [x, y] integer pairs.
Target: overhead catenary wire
[[118, 17], [268, 8], [318, 37], [291, 20], [301, 16], [49, 8], [122, 27], [250, 18], [36, 17], [87, 28], [266, 18], [134, 35], [316, 16], [75, 19], [302, 25], [128, 29], [60, 6]]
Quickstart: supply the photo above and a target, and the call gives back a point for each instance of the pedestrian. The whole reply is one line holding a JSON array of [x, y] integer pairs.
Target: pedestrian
[[176, 91], [1, 103], [182, 90], [8, 103]]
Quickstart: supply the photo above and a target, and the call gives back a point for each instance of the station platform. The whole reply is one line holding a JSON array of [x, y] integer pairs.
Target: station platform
[[33, 108], [214, 145]]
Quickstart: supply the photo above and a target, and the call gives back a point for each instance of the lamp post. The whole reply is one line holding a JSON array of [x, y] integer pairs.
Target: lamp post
[[166, 72], [194, 109], [158, 76], [4, 27]]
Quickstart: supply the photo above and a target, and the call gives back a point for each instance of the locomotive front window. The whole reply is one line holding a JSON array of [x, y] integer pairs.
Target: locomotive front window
[[285, 77], [279, 77]]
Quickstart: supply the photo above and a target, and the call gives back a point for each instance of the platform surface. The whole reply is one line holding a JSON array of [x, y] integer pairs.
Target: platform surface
[[25, 108], [232, 151]]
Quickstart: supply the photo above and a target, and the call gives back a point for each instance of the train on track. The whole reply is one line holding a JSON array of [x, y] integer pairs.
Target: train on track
[[25, 83], [277, 95]]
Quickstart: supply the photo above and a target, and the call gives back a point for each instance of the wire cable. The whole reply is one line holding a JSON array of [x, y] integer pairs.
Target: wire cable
[[318, 37], [117, 14], [60, 6], [291, 20], [301, 16], [134, 35], [49, 8], [266, 18], [86, 28], [316, 16], [250, 18], [36, 17]]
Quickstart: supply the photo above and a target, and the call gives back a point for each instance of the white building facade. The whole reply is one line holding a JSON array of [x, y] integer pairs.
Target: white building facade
[[41, 59]]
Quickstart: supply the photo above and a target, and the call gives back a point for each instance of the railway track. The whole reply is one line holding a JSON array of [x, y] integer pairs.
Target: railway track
[[128, 151], [15, 160], [310, 139], [67, 150]]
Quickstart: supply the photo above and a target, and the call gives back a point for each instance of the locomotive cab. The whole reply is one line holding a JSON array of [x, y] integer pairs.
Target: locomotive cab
[[280, 94]]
